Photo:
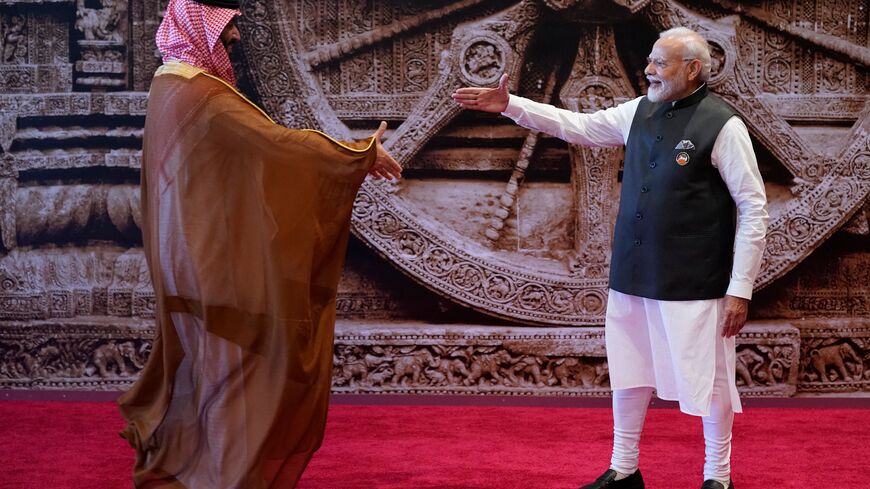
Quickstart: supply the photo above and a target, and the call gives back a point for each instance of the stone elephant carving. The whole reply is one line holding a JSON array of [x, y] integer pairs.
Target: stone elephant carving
[[450, 371], [526, 370], [570, 372], [350, 371], [412, 365], [112, 357], [834, 357], [356, 367], [378, 377], [488, 365]]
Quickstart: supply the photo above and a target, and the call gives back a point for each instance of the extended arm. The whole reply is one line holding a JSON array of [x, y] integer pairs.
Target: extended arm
[[602, 128]]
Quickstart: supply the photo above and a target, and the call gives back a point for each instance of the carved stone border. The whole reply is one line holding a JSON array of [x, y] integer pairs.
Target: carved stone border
[[48, 284], [105, 353], [426, 359], [76, 354], [65, 104]]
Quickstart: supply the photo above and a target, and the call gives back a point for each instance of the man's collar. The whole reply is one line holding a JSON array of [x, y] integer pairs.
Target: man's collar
[[188, 71], [692, 99], [179, 68]]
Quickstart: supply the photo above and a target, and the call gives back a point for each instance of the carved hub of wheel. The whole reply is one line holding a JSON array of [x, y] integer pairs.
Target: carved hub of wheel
[[518, 224]]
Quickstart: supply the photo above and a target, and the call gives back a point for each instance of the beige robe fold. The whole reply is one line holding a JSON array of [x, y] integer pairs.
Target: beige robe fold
[[245, 227]]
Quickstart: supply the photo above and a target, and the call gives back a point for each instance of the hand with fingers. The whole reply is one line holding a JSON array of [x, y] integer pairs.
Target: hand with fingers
[[734, 316], [485, 99], [385, 166]]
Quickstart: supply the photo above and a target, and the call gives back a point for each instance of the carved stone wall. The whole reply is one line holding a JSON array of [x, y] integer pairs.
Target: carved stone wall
[[484, 270]]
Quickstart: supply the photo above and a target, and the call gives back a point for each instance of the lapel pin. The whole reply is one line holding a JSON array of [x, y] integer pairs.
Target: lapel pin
[[683, 158]]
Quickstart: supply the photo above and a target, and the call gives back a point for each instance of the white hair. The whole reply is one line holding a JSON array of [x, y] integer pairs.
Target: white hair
[[695, 46]]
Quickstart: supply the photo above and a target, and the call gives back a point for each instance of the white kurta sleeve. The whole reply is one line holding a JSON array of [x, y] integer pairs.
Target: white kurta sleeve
[[734, 157], [608, 127]]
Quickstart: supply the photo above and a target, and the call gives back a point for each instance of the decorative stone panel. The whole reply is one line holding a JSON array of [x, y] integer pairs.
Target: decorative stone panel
[[56, 284], [34, 48], [465, 359], [371, 357], [74, 354], [835, 356], [768, 356]]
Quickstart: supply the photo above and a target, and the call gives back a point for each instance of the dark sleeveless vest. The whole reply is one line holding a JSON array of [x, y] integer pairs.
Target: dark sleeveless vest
[[674, 234]]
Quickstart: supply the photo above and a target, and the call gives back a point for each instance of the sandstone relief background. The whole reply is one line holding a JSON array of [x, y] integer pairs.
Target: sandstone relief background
[[484, 270]]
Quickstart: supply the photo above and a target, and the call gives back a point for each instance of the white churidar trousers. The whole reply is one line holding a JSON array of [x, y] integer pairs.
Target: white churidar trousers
[[676, 348]]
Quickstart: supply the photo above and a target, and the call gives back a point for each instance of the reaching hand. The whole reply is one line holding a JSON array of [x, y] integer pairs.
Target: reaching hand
[[734, 316], [485, 99], [385, 166]]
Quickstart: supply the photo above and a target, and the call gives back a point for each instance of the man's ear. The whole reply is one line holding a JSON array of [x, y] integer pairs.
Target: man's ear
[[694, 69]]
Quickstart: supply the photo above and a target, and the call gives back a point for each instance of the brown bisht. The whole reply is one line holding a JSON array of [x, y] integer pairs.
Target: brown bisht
[[245, 226]]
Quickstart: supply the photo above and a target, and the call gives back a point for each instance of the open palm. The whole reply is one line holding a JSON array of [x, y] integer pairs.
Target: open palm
[[385, 165], [485, 99]]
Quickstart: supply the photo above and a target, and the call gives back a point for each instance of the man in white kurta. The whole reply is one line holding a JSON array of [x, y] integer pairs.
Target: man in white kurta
[[666, 331]]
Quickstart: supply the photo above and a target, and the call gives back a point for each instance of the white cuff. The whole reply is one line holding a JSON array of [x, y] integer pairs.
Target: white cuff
[[738, 288], [513, 110]]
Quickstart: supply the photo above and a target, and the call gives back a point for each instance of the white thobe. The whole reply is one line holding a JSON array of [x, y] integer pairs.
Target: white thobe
[[670, 345]]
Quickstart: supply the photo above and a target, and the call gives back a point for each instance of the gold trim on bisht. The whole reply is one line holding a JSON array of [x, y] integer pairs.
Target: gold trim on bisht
[[185, 70], [188, 71]]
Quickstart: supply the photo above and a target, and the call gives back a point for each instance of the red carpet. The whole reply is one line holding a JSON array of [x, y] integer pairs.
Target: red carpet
[[75, 445]]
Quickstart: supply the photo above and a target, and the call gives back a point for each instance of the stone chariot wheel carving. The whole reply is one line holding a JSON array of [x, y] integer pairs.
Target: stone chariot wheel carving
[[516, 224]]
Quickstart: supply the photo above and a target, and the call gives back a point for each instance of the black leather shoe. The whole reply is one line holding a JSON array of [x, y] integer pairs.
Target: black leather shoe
[[607, 480], [711, 484]]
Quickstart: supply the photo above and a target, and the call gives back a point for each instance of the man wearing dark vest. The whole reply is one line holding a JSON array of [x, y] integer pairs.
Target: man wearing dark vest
[[683, 261]]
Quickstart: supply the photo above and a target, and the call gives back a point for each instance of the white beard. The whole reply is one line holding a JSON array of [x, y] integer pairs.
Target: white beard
[[657, 93]]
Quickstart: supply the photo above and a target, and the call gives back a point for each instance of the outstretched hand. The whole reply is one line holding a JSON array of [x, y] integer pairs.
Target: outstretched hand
[[733, 318], [485, 99], [385, 166]]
